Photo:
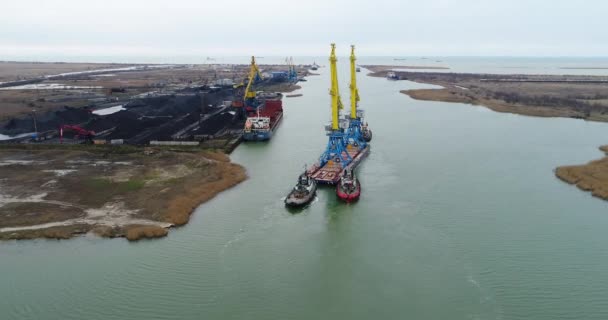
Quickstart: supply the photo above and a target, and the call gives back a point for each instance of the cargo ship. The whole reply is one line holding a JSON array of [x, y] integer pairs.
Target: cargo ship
[[263, 120], [264, 110]]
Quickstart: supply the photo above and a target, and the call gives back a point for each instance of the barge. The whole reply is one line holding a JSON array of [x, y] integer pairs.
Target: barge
[[331, 172]]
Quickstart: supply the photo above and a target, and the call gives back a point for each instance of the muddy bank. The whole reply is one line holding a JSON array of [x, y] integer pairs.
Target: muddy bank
[[59, 192], [580, 97], [591, 177], [14, 71]]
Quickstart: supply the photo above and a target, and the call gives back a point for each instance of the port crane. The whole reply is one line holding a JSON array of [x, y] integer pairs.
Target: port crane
[[292, 73], [358, 134], [336, 151], [254, 76]]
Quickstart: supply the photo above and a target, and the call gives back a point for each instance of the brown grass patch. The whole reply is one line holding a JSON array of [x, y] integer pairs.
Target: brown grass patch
[[455, 95], [181, 206], [592, 177], [136, 232]]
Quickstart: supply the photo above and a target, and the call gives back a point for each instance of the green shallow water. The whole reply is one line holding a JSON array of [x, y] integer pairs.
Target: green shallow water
[[461, 217]]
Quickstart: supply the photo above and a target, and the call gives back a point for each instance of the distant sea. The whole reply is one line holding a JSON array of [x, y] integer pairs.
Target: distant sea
[[498, 65]]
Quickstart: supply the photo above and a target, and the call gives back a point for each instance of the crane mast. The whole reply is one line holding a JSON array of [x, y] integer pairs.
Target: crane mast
[[354, 92], [336, 103]]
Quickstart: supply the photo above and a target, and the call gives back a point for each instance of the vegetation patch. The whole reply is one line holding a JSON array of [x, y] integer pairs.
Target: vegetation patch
[[129, 192], [591, 177]]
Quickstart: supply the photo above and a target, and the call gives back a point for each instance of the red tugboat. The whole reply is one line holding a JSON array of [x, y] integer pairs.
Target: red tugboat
[[349, 188]]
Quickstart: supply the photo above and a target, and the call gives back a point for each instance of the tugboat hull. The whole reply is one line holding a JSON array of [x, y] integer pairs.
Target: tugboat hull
[[349, 196], [298, 202], [300, 197]]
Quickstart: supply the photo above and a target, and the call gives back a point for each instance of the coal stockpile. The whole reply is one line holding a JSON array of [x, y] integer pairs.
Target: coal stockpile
[[166, 105], [164, 131], [148, 119], [103, 123], [217, 122], [168, 118], [176, 116], [46, 121]]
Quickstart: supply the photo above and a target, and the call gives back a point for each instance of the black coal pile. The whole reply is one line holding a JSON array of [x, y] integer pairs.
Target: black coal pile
[[166, 105], [47, 121], [163, 131], [153, 118], [226, 119]]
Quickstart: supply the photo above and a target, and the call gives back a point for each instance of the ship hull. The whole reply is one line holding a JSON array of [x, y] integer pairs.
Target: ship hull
[[275, 112]]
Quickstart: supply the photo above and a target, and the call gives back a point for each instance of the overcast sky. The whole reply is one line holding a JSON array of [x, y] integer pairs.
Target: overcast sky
[[297, 28]]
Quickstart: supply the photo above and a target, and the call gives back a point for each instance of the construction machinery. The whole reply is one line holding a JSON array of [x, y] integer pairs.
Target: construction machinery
[[338, 154], [79, 133]]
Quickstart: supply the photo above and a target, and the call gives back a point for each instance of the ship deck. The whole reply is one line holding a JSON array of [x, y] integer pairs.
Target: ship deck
[[332, 171]]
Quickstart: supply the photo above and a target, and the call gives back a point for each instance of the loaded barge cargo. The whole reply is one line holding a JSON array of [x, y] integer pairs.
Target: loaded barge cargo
[[332, 171]]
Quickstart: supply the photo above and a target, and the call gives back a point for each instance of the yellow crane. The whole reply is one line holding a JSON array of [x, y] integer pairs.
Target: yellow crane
[[336, 103], [253, 72], [354, 92]]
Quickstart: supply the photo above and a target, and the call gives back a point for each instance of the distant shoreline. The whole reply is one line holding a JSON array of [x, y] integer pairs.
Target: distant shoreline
[[579, 97], [584, 68], [410, 67]]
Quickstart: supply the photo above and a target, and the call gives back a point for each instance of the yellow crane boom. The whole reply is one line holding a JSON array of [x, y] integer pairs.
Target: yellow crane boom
[[253, 71], [336, 103], [354, 91]]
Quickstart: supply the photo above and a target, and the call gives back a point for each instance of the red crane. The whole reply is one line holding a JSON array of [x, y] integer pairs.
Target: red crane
[[80, 132]]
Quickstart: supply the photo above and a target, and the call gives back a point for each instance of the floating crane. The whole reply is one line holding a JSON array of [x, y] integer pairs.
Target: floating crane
[[358, 133], [338, 156]]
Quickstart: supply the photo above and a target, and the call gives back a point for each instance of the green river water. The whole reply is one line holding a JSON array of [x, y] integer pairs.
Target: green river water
[[461, 217]]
